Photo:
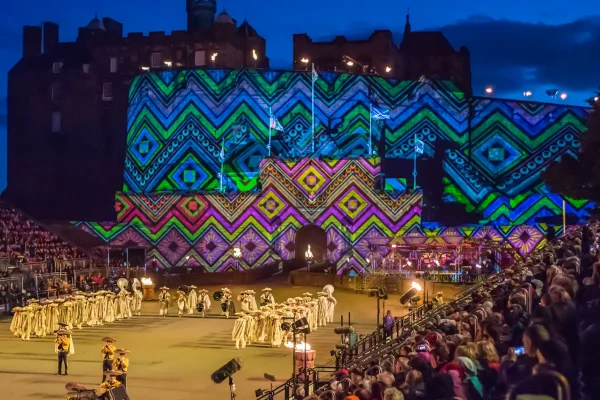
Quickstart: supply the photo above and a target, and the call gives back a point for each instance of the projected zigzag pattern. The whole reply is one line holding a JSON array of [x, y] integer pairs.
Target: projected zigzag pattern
[[338, 196]]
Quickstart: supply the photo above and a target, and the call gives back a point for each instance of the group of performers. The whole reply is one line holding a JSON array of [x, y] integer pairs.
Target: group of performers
[[83, 309], [115, 365], [188, 300], [271, 323]]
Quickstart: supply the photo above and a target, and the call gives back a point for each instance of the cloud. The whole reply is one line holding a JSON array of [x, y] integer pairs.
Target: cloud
[[511, 54]]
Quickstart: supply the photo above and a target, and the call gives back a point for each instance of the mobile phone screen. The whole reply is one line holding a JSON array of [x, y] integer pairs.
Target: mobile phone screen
[[519, 350]]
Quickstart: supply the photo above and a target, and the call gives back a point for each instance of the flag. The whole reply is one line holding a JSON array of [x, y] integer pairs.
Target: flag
[[315, 75], [379, 114], [274, 124], [419, 146]]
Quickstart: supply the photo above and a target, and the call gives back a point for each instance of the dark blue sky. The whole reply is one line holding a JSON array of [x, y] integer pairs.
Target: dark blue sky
[[515, 45]]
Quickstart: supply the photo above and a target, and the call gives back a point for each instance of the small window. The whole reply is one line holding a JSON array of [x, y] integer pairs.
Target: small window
[[107, 91], [86, 68], [56, 67], [156, 60], [200, 58], [114, 64], [55, 91], [56, 122]]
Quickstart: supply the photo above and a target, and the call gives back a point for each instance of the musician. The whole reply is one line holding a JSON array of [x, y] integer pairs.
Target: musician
[[226, 303], [63, 347], [109, 384], [121, 364], [181, 302], [108, 355], [267, 297], [165, 301], [203, 301]]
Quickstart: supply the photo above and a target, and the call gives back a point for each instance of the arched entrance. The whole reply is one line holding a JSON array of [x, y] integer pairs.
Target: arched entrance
[[316, 237]]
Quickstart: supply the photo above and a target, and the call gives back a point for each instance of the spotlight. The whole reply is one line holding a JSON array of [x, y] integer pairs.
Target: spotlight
[[596, 99], [563, 96], [409, 263], [304, 60], [410, 294], [254, 55], [527, 93], [478, 266], [489, 90], [388, 69], [349, 63]]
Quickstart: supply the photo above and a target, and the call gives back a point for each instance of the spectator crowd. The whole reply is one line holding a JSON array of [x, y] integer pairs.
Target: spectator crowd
[[533, 333], [23, 240]]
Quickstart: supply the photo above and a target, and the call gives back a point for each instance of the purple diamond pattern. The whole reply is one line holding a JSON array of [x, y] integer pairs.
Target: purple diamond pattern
[[336, 245], [253, 246], [173, 247], [211, 246]]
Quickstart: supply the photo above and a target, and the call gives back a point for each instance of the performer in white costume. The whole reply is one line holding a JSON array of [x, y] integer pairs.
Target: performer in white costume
[[181, 302], [226, 301], [192, 299], [39, 321], [165, 301], [26, 322], [203, 302], [252, 298], [15, 325], [331, 302], [267, 297], [322, 309], [238, 335], [244, 300], [136, 308]]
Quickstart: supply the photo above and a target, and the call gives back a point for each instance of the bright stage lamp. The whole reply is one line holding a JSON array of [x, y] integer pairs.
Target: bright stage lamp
[[214, 56], [410, 293], [596, 99], [146, 281], [489, 90], [527, 93], [349, 63], [478, 266], [254, 55], [393, 246], [409, 263], [304, 60], [237, 252], [563, 96], [388, 69], [368, 260], [144, 68], [169, 63]]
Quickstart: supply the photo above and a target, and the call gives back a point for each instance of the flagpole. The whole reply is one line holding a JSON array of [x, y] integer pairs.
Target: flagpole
[[222, 161], [313, 107], [564, 217], [415, 165], [270, 119], [370, 127]]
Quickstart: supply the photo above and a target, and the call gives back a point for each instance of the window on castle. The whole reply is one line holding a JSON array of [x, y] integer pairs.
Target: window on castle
[[56, 67], [56, 122], [200, 58], [156, 60], [107, 91], [55, 91], [114, 64]]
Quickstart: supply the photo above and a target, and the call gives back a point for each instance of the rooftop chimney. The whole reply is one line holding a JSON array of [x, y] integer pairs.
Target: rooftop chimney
[[50, 37]]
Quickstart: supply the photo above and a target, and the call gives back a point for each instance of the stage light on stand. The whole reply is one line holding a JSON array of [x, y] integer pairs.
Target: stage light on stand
[[237, 254], [308, 255], [168, 64], [410, 293]]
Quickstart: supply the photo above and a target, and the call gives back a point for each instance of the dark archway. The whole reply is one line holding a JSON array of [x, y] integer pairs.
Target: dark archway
[[316, 237]]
